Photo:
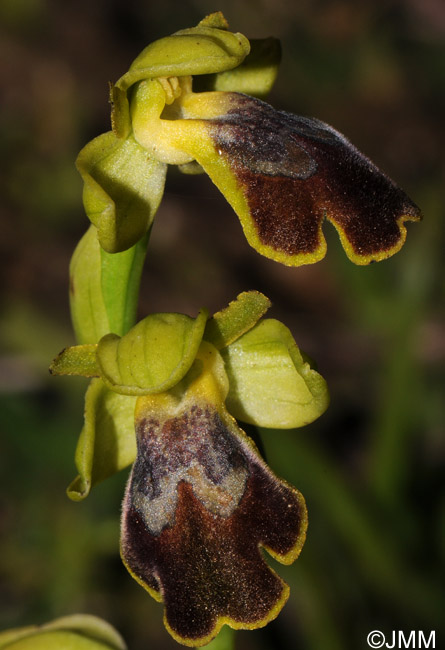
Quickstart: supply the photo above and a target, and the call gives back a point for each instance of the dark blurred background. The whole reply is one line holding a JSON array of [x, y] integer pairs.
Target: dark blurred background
[[371, 468]]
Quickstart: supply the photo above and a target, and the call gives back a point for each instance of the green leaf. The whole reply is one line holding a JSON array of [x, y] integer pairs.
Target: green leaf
[[154, 355], [237, 318], [76, 360], [270, 383], [77, 632], [123, 186], [200, 50], [107, 441], [254, 76]]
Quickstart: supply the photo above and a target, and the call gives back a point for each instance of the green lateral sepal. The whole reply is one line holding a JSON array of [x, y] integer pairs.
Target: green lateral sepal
[[270, 383], [107, 441], [154, 355]]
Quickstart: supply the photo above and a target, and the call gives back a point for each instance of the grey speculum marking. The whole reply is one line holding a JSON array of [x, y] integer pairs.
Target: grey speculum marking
[[195, 447], [267, 141]]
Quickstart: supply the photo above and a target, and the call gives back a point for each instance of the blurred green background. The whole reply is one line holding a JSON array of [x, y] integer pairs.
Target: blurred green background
[[371, 468]]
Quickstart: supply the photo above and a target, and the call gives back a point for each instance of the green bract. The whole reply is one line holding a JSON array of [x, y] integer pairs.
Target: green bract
[[77, 632], [104, 288]]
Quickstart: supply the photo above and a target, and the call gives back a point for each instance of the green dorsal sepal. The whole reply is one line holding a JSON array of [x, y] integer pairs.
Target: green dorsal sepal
[[204, 49], [154, 355]]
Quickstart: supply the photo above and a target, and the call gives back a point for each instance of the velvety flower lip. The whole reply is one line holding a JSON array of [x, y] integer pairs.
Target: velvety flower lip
[[296, 171], [283, 174], [199, 505]]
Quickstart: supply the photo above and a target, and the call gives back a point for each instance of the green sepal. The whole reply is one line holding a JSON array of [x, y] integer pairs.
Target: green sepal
[[237, 318], [154, 355], [271, 385], [76, 360], [76, 632], [254, 76], [200, 50], [123, 186], [104, 288], [107, 441]]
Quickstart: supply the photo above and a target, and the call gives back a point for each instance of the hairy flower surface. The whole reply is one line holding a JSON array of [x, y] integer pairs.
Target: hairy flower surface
[[199, 506], [283, 174]]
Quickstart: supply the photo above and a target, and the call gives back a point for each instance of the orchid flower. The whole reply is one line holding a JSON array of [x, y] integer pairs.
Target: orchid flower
[[282, 174], [200, 501]]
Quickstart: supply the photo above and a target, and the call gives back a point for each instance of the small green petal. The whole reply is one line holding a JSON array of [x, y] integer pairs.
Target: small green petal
[[77, 632], [216, 19], [107, 442], [154, 356], [254, 76], [200, 50], [270, 383], [237, 318], [76, 360], [123, 186]]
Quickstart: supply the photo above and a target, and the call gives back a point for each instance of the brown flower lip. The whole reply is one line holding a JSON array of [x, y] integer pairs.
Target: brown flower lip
[[295, 171], [199, 505]]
